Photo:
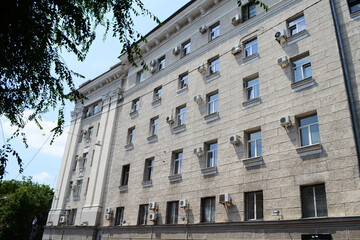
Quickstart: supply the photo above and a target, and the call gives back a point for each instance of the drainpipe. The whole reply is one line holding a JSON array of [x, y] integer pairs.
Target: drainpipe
[[349, 92]]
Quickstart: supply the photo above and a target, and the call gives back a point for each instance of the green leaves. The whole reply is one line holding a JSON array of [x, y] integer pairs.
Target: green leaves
[[263, 5]]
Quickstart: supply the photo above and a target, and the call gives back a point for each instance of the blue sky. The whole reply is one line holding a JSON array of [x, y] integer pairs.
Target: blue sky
[[42, 160]]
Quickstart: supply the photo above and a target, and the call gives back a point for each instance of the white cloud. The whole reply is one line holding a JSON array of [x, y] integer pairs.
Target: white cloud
[[44, 178]]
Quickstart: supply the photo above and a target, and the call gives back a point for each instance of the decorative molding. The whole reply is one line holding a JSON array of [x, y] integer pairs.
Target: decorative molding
[[254, 161], [309, 150], [251, 102], [300, 85], [211, 117]]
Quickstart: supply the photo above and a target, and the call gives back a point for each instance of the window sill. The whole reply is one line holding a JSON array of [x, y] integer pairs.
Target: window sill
[[147, 183], [179, 128], [210, 171], [211, 117], [123, 189], [212, 77], [134, 114], [302, 84], [182, 90], [251, 102], [129, 147], [175, 178], [152, 138], [254, 161], [156, 103], [250, 58], [309, 150], [297, 37]]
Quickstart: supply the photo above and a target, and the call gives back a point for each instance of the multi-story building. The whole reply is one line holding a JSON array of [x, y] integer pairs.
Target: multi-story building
[[244, 127]]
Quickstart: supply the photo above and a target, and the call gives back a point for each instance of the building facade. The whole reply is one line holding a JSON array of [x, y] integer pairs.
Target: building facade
[[244, 127]]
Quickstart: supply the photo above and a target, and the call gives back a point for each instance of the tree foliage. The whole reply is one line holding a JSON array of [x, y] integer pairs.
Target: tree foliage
[[20, 203]]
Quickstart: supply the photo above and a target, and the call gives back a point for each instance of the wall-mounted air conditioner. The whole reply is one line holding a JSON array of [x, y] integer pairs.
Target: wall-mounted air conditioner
[[236, 49], [285, 121], [202, 69], [283, 61], [153, 216], [108, 216], [203, 29], [108, 210], [176, 50], [183, 203], [198, 99], [234, 139], [198, 151], [152, 205], [280, 36], [62, 219], [152, 63], [235, 20], [224, 198], [170, 119], [152, 69]]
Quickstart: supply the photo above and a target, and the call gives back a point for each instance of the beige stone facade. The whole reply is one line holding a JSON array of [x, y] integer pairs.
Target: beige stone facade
[[240, 136]]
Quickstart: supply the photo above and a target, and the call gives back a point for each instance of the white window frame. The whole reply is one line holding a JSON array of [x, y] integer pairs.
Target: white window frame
[[303, 66], [135, 105], [154, 126], [315, 196], [131, 133], [177, 162], [157, 93], [214, 31], [125, 175], [149, 168], [181, 116], [90, 132], [119, 217], [143, 214], [256, 205], [78, 188], [214, 65], [183, 80], [253, 89], [186, 48], [295, 25], [213, 105], [211, 162], [85, 158], [172, 212], [140, 76], [249, 47], [308, 126], [256, 145], [95, 109], [211, 202], [161, 63]]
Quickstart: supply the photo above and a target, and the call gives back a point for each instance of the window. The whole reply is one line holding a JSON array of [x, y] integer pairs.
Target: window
[[119, 217], [250, 48], [254, 205], [208, 209], [309, 130], [135, 105], [95, 109], [161, 62], [172, 212], [252, 88], [297, 25], [302, 69], [178, 156], [212, 103], [214, 31], [75, 162], [354, 5], [214, 65], [73, 216], [157, 93], [149, 167], [90, 132], [154, 126], [186, 48], [254, 144], [140, 76], [131, 133], [249, 11], [313, 201], [97, 130], [211, 154], [183, 81], [125, 175], [181, 115], [71, 187], [78, 188], [143, 214], [85, 157], [87, 186]]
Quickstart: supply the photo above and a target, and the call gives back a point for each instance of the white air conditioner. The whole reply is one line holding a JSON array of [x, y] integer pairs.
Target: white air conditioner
[[285, 121], [198, 151], [170, 119], [203, 29], [283, 61], [280, 36], [152, 216], [183, 203], [234, 139], [152, 69], [236, 49], [62, 219], [198, 99], [83, 131], [224, 198], [235, 20], [78, 158], [152, 63], [152, 205], [108, 216], [202, 69], [176, 50], [108, 210]]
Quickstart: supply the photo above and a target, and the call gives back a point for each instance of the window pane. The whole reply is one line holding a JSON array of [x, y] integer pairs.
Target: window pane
[[315, 135], [307, 71], [255, 48], [259, 205], [255, 135], [308, 120], [321, 205], [250, 206], [304, 136], [251, 149], [258, 147], [307, 202], [297, 74]]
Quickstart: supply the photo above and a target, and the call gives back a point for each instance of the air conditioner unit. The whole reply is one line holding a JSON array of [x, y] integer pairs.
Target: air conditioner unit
[[78, 158], [224, 198], [235, 20], [152, 205], [157, 97], [198, 151], [176, 50], [152, 216], [198, 99], [108, 210], [108, 216], [280, 36], [152, 63], [203, 29], [73, 187], [62, 219], [236, 49], [83, 131], [202, 69], [170, 119], [66, 212], [283, 61], [152, 69], [234, 139], [183, 203], [285, 121]]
